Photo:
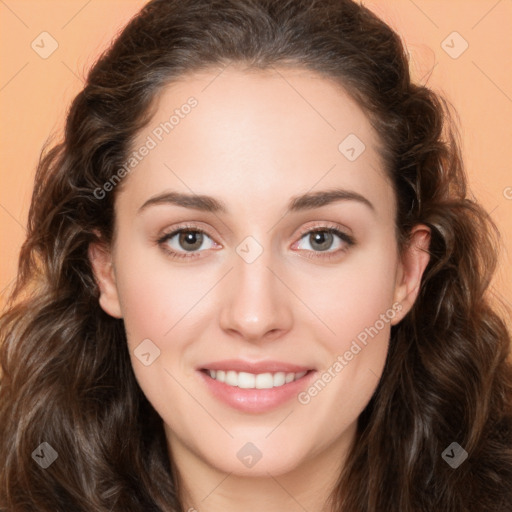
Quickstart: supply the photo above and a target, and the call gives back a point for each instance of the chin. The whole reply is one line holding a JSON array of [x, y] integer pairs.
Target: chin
[[256, 459]]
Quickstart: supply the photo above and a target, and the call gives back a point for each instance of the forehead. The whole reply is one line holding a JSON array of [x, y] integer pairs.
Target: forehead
[[267, 133]]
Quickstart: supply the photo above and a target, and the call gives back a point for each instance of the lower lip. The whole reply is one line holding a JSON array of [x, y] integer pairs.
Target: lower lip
[[256, 400]]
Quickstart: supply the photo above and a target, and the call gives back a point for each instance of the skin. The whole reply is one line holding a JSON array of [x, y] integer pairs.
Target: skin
[[255, 141]]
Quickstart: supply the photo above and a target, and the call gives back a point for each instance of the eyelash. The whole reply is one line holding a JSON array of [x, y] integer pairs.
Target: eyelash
[[348, 239]]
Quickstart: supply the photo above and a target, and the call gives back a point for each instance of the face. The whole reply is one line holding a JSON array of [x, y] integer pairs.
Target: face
[[255, 244]]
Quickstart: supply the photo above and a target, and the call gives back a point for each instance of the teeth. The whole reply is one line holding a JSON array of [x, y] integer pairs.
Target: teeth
[[254, 381], [264, 381], [231, 378], [279, 379], [245, 380]]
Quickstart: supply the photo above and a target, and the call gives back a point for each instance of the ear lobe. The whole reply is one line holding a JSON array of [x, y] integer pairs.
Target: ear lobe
[[101, 262], [413, 263]]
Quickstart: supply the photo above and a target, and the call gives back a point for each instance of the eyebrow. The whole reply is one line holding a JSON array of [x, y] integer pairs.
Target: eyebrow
[[308, 201]]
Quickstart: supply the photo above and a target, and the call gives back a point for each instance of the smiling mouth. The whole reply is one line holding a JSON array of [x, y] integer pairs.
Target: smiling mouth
[[246, 380]]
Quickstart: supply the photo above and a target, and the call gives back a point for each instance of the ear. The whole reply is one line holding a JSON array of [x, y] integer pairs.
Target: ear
[[101, 261], [413, 262]]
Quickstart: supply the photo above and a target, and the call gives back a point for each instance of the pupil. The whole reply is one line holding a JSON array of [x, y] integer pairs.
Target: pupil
[[323, 239]]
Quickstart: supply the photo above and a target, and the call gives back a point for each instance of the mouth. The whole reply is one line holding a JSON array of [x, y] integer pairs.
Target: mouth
[[246, 380], [255, 387]]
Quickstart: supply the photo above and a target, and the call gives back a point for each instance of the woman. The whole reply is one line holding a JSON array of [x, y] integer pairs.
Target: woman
[[253, 279]]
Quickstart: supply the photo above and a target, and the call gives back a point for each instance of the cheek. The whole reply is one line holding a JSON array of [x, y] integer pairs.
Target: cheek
[[355, 295], [154, 291], [143, 301], [356, 303], [358, 307], [157, 303]]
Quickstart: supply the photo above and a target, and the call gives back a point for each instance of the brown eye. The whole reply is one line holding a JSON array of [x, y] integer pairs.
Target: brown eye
[[190, 240], [326, 239], [186, 242], [321, 240]]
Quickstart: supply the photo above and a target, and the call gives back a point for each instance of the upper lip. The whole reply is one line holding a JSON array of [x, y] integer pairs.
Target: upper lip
[[239, 365]]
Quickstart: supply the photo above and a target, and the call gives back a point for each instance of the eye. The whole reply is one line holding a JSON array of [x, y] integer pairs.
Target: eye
[[190, 241], [185, 242], [326, 239]]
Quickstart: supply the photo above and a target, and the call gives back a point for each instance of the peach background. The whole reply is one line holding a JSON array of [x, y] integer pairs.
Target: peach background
[[35, 93]]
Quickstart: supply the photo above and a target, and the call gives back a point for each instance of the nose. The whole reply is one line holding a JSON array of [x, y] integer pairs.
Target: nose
[[256, 305]]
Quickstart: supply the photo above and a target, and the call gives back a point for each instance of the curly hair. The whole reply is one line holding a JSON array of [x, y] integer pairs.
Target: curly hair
[[66, 376]]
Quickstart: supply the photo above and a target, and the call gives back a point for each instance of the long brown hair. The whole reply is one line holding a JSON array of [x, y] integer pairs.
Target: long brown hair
[[66, 373]]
